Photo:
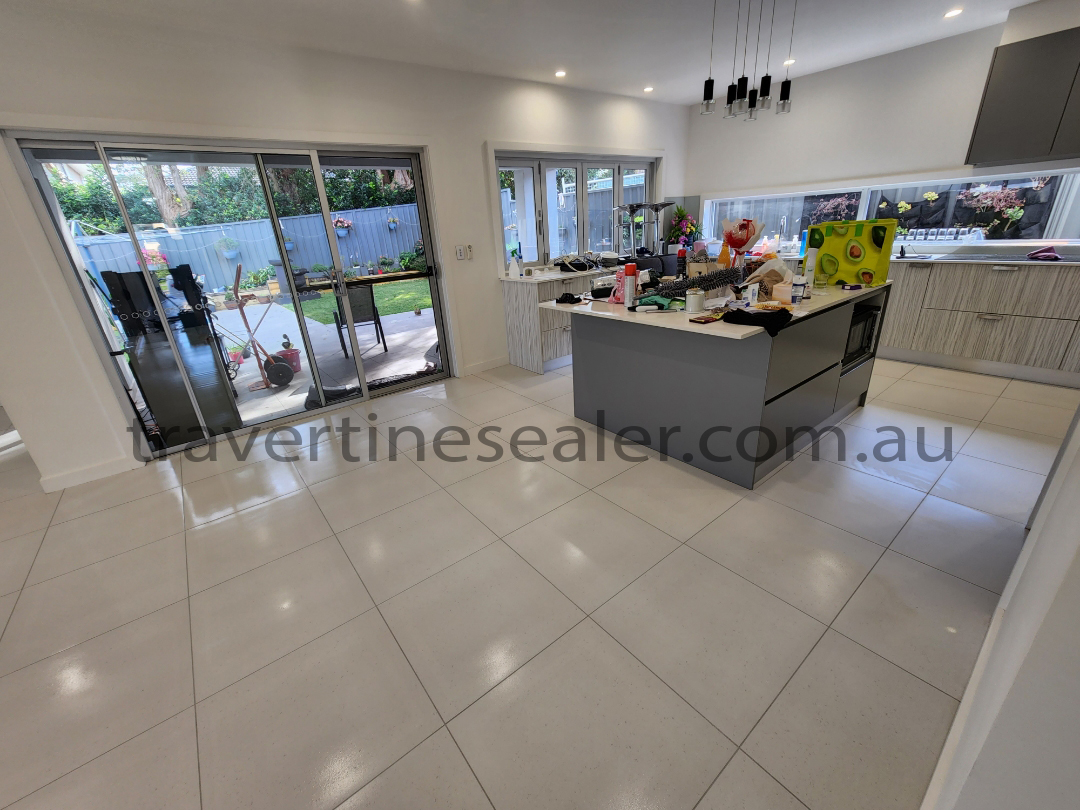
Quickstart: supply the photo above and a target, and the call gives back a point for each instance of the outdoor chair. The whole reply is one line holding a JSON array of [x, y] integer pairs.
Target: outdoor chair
[[362, 304]]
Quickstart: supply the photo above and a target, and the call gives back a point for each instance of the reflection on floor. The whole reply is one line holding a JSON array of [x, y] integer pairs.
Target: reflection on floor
[[548, 634], [408, 337]]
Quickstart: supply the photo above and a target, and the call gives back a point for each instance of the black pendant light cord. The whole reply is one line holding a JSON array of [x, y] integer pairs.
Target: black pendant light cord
[[772, 22], [746, 36], [794, 11], [735, 54], [757, 48], [712, 37]]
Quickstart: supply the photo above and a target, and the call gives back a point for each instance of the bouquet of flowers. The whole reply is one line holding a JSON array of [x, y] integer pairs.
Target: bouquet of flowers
[[684, 228], [341, 222]]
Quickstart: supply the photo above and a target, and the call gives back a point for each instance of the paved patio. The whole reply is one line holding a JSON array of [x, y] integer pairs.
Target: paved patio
[[408, 337]]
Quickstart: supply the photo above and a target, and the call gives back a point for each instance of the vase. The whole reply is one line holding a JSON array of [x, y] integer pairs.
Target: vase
[[230, 254], [290, 244], [341, 232], [392, 225]]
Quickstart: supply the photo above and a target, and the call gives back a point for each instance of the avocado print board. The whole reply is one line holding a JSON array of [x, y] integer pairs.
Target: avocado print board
[[853, 251]]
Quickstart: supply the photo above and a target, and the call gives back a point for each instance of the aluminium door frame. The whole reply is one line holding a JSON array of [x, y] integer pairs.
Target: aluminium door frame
[[577, 164], [538, 205], [600, 164]]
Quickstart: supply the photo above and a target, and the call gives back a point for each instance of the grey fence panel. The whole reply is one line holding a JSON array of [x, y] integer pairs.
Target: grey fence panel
[[196, 245]]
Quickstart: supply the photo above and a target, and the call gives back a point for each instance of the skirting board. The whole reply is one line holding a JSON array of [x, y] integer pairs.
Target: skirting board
[[1049, 376], [485, 365], [59, 481]]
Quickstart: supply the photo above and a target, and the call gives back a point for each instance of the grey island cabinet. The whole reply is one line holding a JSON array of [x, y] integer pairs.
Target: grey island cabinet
[[728, 399]]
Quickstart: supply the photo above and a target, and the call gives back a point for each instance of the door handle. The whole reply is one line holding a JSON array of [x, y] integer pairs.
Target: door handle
[[1005, 267], [984, 317]]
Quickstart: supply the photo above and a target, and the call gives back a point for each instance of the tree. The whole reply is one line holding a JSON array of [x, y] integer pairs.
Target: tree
[[172, 201]]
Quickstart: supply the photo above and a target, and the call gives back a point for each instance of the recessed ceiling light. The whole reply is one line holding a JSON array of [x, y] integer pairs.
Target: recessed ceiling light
[[788, 62], [956, 12], [560, 73], [648, 89]]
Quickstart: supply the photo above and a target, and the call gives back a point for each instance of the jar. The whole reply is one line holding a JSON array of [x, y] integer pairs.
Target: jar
[[695, 300]]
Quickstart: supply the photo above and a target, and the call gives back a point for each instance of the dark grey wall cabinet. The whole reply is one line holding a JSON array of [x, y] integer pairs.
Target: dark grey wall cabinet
[[1067, 142], [1025, 99]]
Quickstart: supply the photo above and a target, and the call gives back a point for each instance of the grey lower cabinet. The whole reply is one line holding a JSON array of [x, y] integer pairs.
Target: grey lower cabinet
[[1022, 341], [905, 303]]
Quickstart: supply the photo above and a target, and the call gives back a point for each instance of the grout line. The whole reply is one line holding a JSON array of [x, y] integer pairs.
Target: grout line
[[785, 787], [19, 592], [191, 651], [471, 768]]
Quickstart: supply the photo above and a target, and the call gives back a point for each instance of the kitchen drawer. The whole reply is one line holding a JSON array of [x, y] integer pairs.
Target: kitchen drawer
[[1005, 289], [550, 290], [807, 346], [805, 407], [552, 319], [555, 343], [906, 294], [1039, 342]]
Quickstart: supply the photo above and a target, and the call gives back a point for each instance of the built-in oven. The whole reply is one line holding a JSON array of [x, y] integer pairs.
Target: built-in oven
[[862, 334]]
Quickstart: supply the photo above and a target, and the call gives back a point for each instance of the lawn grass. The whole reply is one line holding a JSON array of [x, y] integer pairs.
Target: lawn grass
[[390, 299]]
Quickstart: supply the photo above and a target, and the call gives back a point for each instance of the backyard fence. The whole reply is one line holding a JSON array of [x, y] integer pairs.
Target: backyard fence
[[369, 238]]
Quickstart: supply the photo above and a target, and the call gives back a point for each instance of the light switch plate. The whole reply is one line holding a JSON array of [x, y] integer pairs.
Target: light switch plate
[[460, 249]]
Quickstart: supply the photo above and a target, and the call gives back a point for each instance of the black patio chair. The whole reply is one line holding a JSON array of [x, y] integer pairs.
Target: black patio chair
[[362, 304]]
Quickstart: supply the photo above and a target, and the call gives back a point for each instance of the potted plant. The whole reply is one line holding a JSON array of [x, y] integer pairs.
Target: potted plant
[[683, 228], [230, 301], [342, 226], [385, 262], [392, 223], [236, 355], [229, 247], [290, 244]]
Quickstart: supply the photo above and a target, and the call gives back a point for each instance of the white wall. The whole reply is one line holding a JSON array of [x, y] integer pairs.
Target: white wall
[[905, 113], [77, 73], [1038, 19]]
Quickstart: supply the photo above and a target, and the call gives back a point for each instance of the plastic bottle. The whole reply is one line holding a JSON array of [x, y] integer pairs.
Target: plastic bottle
[[680, 263], [798, 289], [629, 284]]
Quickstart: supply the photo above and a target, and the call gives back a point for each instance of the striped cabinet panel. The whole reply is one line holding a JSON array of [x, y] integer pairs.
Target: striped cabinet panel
[[905, 303], [1025, 341]]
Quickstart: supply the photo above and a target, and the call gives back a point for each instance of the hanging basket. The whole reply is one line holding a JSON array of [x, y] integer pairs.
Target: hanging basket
[[341, 232]]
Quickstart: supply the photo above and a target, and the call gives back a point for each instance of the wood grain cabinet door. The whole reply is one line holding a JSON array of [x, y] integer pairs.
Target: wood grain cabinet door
[[1071, 361], [905, 303], [1006, 289], [1039, 342]]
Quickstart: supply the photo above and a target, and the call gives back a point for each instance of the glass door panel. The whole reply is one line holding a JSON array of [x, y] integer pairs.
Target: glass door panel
[[561, 204], [517, 197], [633, 191], [600, 196], [202, 224], [79, 196], [315, 276], [376, 205]]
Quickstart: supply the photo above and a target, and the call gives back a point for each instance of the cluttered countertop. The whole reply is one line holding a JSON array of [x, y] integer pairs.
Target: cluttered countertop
[[680, 319]]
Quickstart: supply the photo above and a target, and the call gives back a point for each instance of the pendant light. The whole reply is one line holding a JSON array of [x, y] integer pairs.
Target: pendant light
[[708, 103], [742, 93], [752, 96], [733, 89], [765, 92], [784, 104]]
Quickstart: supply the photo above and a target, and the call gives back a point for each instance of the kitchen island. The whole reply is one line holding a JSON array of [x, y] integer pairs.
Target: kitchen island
[[726, 398]]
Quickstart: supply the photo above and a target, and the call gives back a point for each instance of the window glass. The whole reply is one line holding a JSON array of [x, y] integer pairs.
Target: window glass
[[633, 190], [517, 196], [601, 201], [562, 210], [992, 208], [787, 217]]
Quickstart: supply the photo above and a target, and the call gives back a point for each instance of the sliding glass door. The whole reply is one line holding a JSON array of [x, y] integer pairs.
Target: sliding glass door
[[236, 288]]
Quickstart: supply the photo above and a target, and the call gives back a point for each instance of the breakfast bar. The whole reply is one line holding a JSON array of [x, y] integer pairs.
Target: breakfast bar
[[729, 399]]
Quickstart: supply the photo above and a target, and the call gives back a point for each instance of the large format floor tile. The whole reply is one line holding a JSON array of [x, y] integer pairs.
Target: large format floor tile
[[532, 427], [1053, 395], [394, 551], [150, 479], [27, 514], [104, 534], [916, 424], [370, 491], [892, 368], [432, 775], [674, 497], [414, 430], [312, 728], [230, 492], [222, 456], [745, 786], [537, 387], [507, 496], [456, 388], [468, 627], [247, 622], [341, 454], [386, 409], [1007, 492], [949, 401], [158, 770], [724, 644], [72, 608], [584, 725], [923, 620], [590, 565], [809, 564], [589, 455], [852, 731], [848, 499], [16, 557], [459, 456], [487, 405], [961, 380], [1031, 416], [225, 548], [884, 455], [1033, 452], [62, 712], [969, 544]]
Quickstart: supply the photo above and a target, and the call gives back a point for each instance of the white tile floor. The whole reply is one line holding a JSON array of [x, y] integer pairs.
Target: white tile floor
[[368, 631]]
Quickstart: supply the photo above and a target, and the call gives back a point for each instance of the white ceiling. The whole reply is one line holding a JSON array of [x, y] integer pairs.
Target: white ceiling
[[617, 46]]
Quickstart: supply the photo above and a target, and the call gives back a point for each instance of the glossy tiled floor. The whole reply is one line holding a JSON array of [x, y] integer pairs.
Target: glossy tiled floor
[[403, 631]]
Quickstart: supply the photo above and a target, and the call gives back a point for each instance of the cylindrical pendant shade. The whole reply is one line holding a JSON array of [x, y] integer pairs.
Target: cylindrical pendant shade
[[708, 90]]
